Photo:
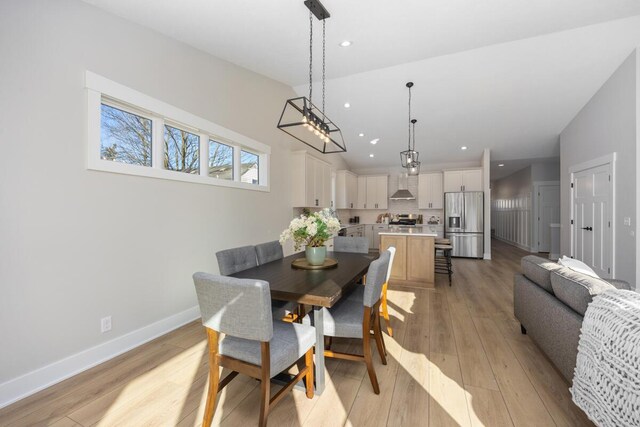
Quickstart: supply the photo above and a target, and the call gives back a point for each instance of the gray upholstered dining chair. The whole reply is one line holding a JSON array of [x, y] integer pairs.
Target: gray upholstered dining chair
[[269, 251], [231, 261], [254, 344], [358, 293], [351, 244], [356, 319], [237, 259]]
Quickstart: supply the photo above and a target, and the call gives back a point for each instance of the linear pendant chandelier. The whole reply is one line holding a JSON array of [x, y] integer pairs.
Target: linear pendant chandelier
[[300, 118], [409, 158]]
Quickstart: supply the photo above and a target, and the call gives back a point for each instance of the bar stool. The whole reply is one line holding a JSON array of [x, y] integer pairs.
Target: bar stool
[[442, 251]]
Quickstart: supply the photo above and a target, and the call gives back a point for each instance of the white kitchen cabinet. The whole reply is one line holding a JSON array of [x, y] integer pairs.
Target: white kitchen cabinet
[[373, 192], [346, 190], [368, 233], [362, 193], [430, 191], [311, 181], [463, 180], [377, 192], [377, 228]]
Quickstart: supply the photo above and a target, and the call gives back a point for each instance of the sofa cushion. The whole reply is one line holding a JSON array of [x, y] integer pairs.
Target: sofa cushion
[[538, 269], [620, 284], [575, 289]]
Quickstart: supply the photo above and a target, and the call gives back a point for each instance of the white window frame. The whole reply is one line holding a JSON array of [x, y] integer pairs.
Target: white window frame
[[101, 89]]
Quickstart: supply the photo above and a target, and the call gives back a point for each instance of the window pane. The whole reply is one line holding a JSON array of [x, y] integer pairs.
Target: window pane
[[249, 167], [220, 160], [181, 150], [124, 137]]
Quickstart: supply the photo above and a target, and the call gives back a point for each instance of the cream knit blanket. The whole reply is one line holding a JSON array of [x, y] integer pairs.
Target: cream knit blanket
[[606, 381]]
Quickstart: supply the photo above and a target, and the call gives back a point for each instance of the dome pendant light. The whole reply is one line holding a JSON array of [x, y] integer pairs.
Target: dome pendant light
[[300, 118], [409, 158]]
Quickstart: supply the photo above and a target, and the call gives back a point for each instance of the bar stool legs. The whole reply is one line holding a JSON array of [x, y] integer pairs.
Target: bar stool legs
[[443, 264]]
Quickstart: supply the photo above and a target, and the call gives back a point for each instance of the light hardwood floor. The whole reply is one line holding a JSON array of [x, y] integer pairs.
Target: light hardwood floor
[[457, 358]]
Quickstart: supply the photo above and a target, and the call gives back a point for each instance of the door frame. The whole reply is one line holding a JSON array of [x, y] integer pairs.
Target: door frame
[[535, 206], [609, 159]]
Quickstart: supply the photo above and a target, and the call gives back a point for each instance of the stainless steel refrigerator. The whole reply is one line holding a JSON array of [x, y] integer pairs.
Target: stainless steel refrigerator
[[464, 223]]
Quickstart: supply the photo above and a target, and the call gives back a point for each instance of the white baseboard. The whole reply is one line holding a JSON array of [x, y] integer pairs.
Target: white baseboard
[[487, 256], [25, 385]]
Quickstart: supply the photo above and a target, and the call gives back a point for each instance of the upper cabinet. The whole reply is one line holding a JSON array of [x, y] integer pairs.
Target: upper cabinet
[[373, 192], [311, 181], [362, 193], [377, 192], [346, 190], [463, 180], [430, 191]]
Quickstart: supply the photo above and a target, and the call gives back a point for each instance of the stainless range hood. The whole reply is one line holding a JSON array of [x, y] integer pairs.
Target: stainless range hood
[[402, 193]]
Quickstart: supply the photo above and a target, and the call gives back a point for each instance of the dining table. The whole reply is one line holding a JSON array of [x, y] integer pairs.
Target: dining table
[[319, 288]]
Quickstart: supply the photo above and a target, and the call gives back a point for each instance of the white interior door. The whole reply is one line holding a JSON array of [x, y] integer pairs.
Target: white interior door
[[592, 215], [548, 213]]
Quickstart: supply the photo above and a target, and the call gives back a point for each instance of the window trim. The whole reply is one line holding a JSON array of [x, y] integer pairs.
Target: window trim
[[101, 89]]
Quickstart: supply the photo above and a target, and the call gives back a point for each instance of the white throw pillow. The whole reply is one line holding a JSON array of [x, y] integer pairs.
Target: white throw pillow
[[577, 266]]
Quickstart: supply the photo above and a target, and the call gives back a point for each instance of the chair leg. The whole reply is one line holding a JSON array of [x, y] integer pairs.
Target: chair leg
[[265, 386], [385, 310], [377, 332], [214, 378], [366, 349], [308, 359]]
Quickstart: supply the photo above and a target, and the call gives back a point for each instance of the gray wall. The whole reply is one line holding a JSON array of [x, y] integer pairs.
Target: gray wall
[[511, 208], [547, 171], [77, 245], [608, 123]]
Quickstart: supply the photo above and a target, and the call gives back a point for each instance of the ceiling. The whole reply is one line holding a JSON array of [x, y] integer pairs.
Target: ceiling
[[501, 74]]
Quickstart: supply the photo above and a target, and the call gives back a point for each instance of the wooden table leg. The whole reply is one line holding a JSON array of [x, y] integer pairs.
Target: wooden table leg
[[318, 316]]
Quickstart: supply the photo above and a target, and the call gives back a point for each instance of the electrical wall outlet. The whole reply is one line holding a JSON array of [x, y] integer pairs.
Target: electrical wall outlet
[[627, 221], [105, 324]]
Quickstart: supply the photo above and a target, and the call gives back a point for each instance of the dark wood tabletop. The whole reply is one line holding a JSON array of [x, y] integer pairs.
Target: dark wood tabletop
[[313, 287]]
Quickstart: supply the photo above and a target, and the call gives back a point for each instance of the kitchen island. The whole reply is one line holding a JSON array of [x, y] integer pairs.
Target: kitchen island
[[413, 264]]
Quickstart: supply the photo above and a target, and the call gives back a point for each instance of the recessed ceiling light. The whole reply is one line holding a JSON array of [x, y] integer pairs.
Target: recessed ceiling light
[[361, 134], [374, 141], [501, 165], [464, 147], [345, 43], [371, 155], [347, 105]]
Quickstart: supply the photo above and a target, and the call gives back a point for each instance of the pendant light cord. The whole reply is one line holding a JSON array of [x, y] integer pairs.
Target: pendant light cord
[[414, 137], [409, 121], [310, 56]]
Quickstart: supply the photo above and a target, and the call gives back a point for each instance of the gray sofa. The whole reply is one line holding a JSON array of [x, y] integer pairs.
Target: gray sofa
[[550, 301]]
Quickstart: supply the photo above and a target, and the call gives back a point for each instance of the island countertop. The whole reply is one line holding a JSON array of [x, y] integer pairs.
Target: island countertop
[[408, 231]]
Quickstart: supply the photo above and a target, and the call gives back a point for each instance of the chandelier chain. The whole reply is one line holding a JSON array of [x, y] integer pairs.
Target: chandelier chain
[[324, 42], [310, 55]]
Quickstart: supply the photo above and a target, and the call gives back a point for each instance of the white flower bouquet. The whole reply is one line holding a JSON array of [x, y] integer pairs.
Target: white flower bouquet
[[311, 230]]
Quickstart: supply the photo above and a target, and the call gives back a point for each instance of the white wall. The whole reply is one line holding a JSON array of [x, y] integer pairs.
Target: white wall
[[77, 245], [608, 123], [511, 208]]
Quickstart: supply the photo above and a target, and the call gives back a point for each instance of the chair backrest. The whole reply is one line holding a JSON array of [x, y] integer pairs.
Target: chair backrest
[[392, 251], [236, 307], [269, 251], [351, 244], [376, 277], [237, 259]]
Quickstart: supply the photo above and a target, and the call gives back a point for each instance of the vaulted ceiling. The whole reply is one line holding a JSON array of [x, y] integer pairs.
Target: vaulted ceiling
[[501, 74]]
